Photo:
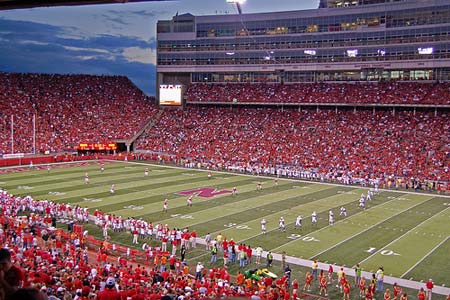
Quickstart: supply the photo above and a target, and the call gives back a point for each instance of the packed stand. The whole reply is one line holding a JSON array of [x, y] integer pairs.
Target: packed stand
[[69, 109], [343, 93], [44, 262], [361, 144]]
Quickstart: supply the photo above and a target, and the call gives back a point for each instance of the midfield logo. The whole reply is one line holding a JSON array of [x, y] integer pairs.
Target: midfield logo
[[204, 192]]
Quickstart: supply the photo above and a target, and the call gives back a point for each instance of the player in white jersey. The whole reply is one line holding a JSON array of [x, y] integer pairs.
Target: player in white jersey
[[369, 195], [331, 219], [259, 186], [102, 168], [86, 178], [362, 203], [331, 213], [166, 205], [209, 175], [282, 225], [146, 172], [189, 201], [48, 168], [275, 183], [234, 192], [263, 226], [343, 212], [298, 222], [112, 190], [314, 218]]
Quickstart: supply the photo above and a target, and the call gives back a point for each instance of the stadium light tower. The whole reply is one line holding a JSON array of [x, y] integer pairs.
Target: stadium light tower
[[238, 4]]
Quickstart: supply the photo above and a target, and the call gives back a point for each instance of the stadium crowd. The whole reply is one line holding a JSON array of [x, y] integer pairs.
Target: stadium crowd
[[346, 93], [54, 265], [307, 143], [69, 109]]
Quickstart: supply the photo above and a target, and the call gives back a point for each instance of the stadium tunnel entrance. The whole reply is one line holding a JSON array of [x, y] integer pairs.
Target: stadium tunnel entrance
[[122, 147]]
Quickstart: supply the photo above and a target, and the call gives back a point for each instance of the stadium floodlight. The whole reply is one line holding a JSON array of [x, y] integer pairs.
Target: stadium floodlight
[[428, 50], [310, 52], [352, 53], [238, 4], [381, 52]]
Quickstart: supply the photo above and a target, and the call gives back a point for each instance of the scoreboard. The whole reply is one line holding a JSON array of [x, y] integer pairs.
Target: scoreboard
[[170, 94], [96, 146]]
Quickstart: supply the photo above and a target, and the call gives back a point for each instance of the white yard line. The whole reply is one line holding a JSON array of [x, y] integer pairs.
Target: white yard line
[[329, 226], [355, 235], [412, 229], [426, 255], [276, 228], [51, 164], [213, 208], [281, 178]]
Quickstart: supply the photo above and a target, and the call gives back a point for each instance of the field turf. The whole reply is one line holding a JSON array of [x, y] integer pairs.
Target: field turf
[[406, 233]]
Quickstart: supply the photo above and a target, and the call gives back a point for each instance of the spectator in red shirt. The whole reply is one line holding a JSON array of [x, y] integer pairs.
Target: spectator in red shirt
[[430, 286], [110, 292], [11, 276]]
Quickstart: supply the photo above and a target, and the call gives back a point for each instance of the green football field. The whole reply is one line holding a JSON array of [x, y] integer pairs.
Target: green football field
[[406, 233]]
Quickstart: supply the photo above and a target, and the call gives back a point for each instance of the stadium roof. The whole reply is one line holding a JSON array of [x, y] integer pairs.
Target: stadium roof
[[15, 4]]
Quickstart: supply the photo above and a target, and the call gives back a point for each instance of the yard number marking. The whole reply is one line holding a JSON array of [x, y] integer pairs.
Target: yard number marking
[[295, 236], [242, 227], [385, 252], [182, 216]]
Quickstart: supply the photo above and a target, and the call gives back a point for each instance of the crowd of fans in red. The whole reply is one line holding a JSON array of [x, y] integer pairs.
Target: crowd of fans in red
[[69, 109], [39, 262], [362, 144], [348, 93]]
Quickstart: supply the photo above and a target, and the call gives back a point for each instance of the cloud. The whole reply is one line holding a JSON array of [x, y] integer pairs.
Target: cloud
[[27, 42], [41, 48], [117, 20], [85, 49], [142, 55]]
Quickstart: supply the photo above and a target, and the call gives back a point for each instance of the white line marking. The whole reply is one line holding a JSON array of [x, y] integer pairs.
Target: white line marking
[[340, 221], [412, 229], [286, 179], [426, 255], [375, 225]]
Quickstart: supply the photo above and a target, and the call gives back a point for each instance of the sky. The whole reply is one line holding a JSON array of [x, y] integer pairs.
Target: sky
[[112, 39]]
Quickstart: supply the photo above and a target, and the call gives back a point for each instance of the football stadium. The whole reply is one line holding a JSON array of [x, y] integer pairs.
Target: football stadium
[[286, 155]]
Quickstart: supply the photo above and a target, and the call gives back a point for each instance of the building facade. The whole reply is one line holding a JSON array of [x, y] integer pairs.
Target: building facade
[[377, 41]]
